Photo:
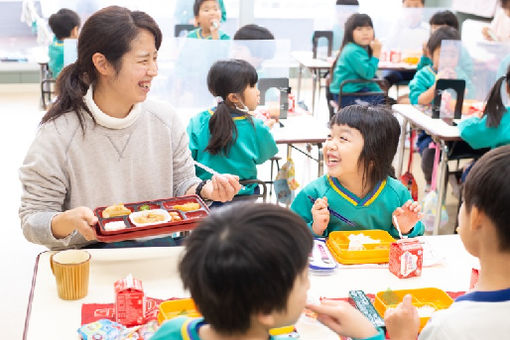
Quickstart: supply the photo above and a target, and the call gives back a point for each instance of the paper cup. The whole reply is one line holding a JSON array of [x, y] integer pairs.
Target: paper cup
[[71, 270]]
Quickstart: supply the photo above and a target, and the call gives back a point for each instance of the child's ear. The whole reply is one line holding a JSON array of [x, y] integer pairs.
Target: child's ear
[[265, 319], [476, 218], [74, 32], [233, 98]]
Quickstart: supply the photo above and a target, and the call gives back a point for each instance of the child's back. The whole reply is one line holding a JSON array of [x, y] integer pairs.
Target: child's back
[[64, 24]]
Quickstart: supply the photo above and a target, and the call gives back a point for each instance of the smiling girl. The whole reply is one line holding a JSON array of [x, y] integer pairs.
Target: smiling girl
[[359, 186], [102, 142]]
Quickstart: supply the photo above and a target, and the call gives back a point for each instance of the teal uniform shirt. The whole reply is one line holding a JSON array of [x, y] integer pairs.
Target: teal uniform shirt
[[56, 55], [478, 135], [254, 145], [185, 328], [424, 61], [354, 63], [371, 212], [423, 80], [197, 34]]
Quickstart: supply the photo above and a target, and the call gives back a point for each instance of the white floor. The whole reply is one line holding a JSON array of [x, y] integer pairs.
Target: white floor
[[19, 109]]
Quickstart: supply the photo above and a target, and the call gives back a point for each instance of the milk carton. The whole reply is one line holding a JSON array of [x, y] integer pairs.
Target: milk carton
[[406, 258]]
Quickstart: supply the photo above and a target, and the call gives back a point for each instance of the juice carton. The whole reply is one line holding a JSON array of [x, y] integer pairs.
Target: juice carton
[[475, 274], [129, 301], [406, 258], [395, 56]]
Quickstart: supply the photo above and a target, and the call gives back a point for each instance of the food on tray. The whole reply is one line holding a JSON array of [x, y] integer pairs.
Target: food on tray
[[144, 207], [356, 241], [175, 216], [190, 206], [425, 311], [115, 225], [149, 217], [116, 210]]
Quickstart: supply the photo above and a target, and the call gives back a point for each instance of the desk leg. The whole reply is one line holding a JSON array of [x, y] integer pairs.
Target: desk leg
[[300, 75], [440, 183], [320, 158], [314, 86], [402, 147]]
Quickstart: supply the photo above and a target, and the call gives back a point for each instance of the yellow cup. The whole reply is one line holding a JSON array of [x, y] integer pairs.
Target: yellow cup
[[71, 270]]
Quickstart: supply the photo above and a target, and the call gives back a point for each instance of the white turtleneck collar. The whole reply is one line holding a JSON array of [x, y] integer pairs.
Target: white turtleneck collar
[[108, 121]]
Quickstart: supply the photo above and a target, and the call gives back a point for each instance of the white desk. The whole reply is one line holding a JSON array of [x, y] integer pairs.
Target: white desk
[[303, 129], [49, 317], [441, 132]]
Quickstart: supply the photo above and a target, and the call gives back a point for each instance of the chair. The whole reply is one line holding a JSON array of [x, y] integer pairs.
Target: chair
[[282, 84], [182, 29], [274, 159], [315, 41], [350, 98], [262, 194], [47, 84]]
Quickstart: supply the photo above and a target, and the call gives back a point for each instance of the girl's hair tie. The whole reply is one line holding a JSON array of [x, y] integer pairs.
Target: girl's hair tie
[[219, 100]]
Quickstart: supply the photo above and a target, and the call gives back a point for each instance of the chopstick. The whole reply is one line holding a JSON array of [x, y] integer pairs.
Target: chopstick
[[395, 223], [206, 168], [336, 214]]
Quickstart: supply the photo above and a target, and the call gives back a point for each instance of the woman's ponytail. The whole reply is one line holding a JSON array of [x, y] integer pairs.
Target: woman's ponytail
[[222, 129], [495, 108], [71, 87]]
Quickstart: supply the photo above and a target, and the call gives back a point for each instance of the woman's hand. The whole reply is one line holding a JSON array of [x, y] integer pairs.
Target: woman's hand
[[403, 322], [343, 319], [221, 188], [407, 216], [320, 215], [81, 219]]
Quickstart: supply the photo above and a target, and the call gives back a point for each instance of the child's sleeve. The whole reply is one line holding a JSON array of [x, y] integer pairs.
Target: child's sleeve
[[476, 133], [364, 66], [424, 61], [303, 207], [266, 144], [170, 329], [420, 83]]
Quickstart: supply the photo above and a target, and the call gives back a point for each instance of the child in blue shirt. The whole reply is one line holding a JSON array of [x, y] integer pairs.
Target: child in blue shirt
[[358, 59], [484, 230], [207, 18], [226, 138], [358, 185], [64, 24], [246, 268]]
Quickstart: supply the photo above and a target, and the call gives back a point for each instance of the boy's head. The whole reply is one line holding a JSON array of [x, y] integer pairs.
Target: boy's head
[[434, 43], [443, 18], [347, 2], [246, 265], [484, 216], [255, 53], [505, 4], [65, 24], [413, 3], [207, 13], [379, 131]]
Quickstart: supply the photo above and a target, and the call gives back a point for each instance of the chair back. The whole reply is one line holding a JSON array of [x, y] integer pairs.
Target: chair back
[[262, 194], [182, 29], [281, 84], [315, 41]]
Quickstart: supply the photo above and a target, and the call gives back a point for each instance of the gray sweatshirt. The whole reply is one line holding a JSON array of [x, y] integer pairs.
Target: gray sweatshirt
[[142, 157]]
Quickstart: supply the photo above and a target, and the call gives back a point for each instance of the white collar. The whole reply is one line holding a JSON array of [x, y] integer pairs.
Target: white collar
[[108, 121]]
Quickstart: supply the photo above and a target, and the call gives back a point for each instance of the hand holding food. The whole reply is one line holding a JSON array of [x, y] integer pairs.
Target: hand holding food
[[221, 188], [81, 219], [403, 322]]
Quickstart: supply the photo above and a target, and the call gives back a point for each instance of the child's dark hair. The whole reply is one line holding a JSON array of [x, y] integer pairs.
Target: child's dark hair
[[494, 108], [253, 32], [347, 2], [354, 21], [110, 32], [196, 6], [225, 77], [442, 33], [505, 3], [487, 187], [422, 2], [63, 22], [244, 259], [380, 131], [444, 18]]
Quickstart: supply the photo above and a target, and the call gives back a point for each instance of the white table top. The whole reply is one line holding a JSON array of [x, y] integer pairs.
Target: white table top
[[300, 129], [306, 59], [434, 127], [157, 268]]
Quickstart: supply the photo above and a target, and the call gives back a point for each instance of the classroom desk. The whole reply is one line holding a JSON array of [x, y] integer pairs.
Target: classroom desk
[[303, 129], [316, 66], [49, 317], [441, 132]]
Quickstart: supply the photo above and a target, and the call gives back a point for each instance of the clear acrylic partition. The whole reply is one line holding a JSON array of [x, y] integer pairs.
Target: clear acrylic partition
[[184, 64], [478, 63], [335, 23]]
